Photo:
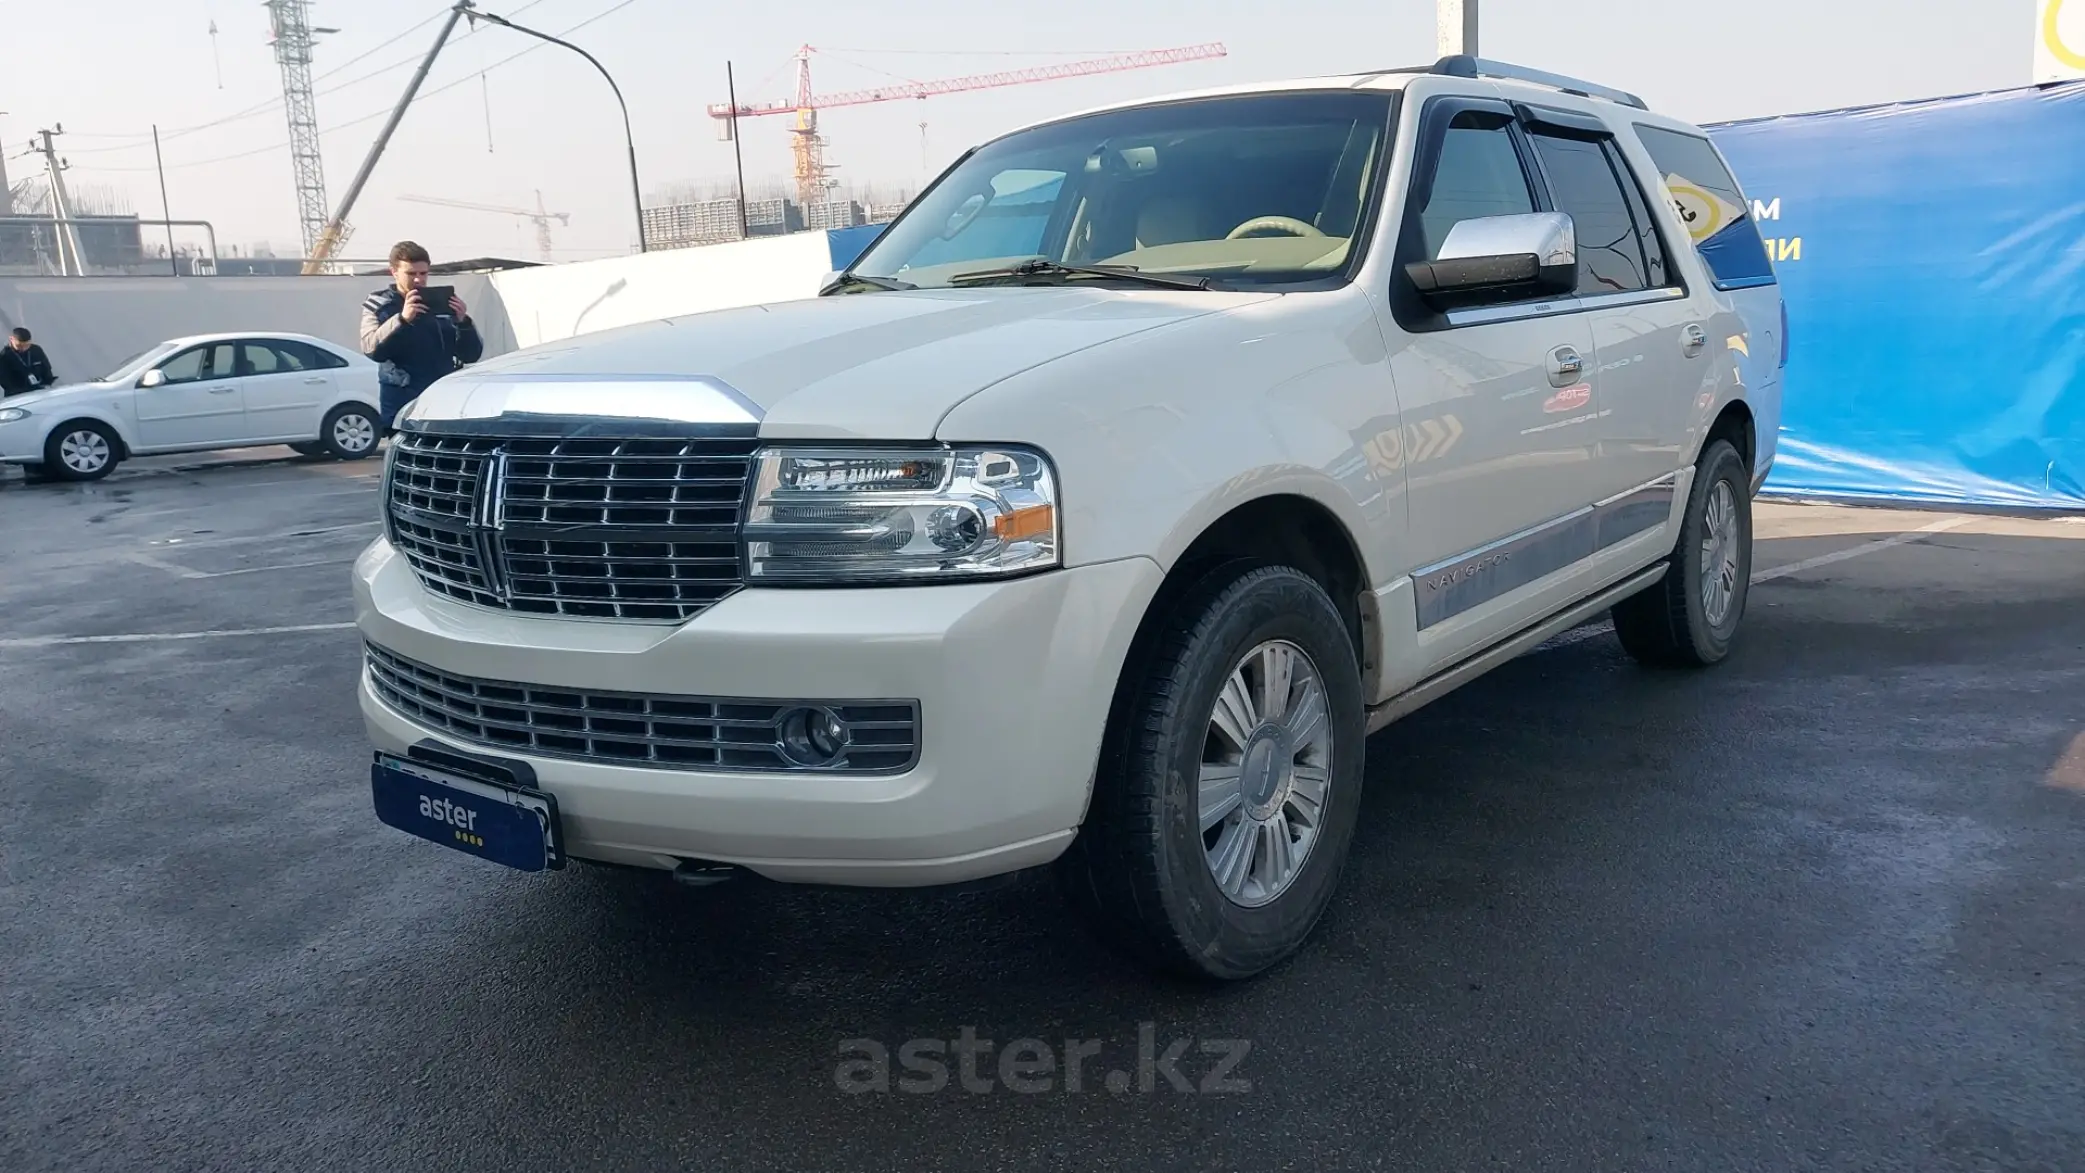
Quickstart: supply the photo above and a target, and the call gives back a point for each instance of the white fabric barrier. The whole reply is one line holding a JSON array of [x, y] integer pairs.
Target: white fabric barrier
[[90, 325], [561, 301]]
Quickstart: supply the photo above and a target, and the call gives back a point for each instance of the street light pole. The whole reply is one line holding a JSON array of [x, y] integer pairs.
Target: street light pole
[[636, 190], [1456, 25]]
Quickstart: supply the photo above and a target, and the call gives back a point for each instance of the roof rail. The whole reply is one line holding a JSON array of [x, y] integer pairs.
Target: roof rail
[[1464, 65]]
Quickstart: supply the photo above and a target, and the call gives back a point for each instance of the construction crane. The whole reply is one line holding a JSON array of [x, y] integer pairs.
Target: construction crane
[[541, 217], [293, 37], [808, 148]]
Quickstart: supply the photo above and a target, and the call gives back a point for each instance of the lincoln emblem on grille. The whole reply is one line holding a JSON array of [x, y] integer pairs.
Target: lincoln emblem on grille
[[488, 518]]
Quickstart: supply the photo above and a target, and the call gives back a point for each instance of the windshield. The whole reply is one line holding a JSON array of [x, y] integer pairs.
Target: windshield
[[1265, 189], [131, 367]]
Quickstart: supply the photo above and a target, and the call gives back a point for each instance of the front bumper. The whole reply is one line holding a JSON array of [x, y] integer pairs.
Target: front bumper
[[21, 442], [1014, 680]]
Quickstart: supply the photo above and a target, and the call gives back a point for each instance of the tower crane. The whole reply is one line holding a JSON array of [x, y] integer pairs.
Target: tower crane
[[808, 148], [541, 217]]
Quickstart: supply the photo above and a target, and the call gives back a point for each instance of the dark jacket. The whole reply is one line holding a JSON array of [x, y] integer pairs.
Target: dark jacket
[[412, 355], [24, 370]]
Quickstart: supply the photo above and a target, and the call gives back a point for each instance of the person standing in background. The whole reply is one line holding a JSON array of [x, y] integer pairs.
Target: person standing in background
[[23, 365], [414, 343]]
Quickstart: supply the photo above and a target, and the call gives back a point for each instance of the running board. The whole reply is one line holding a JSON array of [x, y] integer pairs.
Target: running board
[[1435, 687]]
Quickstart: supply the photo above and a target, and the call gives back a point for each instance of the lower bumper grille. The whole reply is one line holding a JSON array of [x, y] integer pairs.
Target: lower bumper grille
[[639, 729]]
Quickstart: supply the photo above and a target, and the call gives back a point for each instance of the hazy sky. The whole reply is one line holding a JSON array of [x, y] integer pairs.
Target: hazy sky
[[108, 69]]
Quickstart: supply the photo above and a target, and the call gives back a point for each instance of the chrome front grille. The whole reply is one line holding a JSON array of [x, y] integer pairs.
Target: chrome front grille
[[631, 528], [637, 729]]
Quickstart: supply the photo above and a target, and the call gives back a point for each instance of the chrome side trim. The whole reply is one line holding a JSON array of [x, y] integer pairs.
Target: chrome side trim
[[1448, 680], [1471, 579], [1486, 315], [1448, 588], [1646, 507]]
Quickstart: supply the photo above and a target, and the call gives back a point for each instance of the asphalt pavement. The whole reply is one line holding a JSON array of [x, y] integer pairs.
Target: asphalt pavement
[[1820, 908]]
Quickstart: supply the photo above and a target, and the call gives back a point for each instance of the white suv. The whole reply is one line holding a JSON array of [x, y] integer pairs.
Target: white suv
[[1095, 516]]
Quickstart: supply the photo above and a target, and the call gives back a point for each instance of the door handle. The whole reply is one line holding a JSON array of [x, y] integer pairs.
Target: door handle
[[1693, 340], [222, 390], [1565, 366], [319, 381]]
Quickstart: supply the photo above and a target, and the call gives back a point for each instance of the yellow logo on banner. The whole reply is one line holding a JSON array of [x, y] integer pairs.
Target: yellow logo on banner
[[1703, 212], [2055, 58]]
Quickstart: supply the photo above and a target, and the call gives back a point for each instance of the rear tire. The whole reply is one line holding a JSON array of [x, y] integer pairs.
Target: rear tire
[[1690, 618], [82, 450], [1229, 781], [350, 432]]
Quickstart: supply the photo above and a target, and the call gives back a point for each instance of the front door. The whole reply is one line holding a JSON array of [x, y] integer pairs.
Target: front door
[[1500, 412], [201, 403]]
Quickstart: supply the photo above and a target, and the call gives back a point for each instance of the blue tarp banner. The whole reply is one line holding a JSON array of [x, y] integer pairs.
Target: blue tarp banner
[[1932, 258]]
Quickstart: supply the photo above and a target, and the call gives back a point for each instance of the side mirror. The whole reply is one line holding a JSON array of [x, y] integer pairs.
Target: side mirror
[[1502, 258], [152, 378]]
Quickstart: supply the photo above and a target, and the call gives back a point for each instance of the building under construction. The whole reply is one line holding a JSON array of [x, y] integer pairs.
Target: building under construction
[[715, 221]]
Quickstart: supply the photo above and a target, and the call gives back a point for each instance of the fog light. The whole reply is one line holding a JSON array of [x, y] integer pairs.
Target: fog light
[[813, 736]]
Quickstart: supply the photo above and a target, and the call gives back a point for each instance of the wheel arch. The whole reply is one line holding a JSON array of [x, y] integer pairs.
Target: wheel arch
[[112, 427], [1734, 422], [1290, 521]]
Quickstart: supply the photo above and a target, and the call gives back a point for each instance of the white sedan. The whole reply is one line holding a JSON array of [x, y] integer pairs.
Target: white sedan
[[199, 393]]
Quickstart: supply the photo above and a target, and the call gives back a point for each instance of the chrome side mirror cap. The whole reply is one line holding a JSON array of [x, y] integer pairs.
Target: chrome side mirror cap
[[1502, 258]]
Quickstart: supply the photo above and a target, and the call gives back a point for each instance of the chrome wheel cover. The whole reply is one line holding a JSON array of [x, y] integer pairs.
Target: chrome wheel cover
[[84, 451], [1719, 555], [354, 432], [1266, 773]]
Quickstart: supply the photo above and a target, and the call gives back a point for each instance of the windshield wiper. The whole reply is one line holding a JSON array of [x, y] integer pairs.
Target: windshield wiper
[[864, 281], [1039, 267]]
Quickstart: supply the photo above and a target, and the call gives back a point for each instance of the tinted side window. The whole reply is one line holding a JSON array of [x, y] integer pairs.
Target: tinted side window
[[316, 359], [185, 367], [1479, 175], [1610, 255], [264, 358], [1647, 233], [221, 361], [1706, 197]]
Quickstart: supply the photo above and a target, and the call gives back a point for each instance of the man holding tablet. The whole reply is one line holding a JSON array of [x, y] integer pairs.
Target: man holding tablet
[[416, 332]]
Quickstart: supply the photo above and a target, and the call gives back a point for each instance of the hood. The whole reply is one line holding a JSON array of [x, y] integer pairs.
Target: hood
[[883, 365], [30, 399]]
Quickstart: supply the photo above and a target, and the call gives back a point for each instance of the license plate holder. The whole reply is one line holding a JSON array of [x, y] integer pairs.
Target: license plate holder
[[482, 807]]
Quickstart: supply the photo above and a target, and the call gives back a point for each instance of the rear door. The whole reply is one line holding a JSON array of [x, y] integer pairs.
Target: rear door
[[1691, 175], [200, 405], [1650, 343], [289, 385]]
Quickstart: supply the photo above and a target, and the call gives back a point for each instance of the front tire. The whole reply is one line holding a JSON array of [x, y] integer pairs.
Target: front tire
[[1229, 782], [1690, 618], [349, 432], [81, 451]]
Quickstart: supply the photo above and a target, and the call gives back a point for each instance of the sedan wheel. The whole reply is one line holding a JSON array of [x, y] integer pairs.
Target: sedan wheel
[[349, 432], [80, 452]]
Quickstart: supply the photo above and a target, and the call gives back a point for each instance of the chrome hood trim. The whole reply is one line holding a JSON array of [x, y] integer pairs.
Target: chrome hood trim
[[575, 405]]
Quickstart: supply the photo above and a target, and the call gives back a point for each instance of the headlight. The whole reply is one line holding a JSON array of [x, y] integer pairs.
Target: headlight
[[9, 415], [858, 515]]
